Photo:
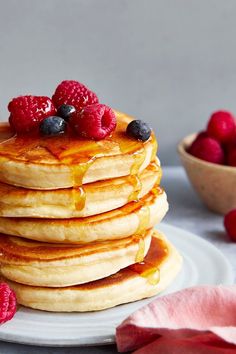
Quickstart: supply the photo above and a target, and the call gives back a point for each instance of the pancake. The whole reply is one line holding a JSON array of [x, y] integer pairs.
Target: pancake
[[136, 282], [69, 161], [90, 199], [133, 218], [45, 264]]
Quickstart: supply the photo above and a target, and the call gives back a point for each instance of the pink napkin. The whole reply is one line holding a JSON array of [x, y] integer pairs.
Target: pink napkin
[[197, 320]]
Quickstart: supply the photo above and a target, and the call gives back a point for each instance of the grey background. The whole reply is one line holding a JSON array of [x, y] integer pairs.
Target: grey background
[[169, 62]]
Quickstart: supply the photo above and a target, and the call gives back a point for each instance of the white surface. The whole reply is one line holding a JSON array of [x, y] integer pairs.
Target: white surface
[[203, 264], [186, 211]]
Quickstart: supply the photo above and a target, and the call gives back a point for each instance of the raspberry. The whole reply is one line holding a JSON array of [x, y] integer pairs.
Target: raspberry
[[73, 93], [7, 303], [230, 224], [207, 149], [202, 134], [221, 126], [231, 157], [28, 111], [94, 122], [230, 145]]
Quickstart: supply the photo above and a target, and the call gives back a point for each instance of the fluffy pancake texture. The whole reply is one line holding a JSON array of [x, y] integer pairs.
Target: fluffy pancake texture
[[161, 265], [133, 218], [64, 162], [87, 200], [42, 264], [77, 218]]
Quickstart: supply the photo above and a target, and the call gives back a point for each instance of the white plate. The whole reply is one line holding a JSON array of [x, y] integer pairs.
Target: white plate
[[203, 264]]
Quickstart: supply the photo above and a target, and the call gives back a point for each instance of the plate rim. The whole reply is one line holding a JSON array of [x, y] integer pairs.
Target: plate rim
[[228, 267]]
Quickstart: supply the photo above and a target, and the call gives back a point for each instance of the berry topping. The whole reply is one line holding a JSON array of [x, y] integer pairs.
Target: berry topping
[[7, 303], [202, 134], [28, 111], [221, 126], [65, 111], [230, 224], [207, 149], [52, 126], [94, 122], [231, 157], [139, 130], [73, 93], [230, 145]]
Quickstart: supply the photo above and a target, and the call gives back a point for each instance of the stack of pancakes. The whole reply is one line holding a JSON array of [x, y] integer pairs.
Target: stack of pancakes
[[77, 218]]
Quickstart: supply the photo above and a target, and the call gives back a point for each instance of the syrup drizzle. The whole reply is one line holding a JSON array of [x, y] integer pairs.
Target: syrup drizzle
[[157, 190], [79, 197], [141, 251], [136, 183], [154, 167], [78, 172], [148, 271], [139, 157], [154, 150], [149, 267], [144, 219]]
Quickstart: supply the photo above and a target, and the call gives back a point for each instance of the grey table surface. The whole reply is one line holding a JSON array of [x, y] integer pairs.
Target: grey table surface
[[187, 212]]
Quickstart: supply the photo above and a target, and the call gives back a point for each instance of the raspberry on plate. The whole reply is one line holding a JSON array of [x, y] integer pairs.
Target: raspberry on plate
[[70, 92], [26, 112], [94, 122], [207, 149], [230, 224], [222, 126], [8, 303]]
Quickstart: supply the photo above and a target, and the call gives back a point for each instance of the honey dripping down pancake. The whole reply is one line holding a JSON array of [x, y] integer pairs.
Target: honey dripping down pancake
[[132, 218], [69, 161], [160, 266], [56, 265], [90, 199]]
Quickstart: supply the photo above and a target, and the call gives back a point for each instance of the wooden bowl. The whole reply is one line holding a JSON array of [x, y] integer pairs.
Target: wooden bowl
[[215, 184]]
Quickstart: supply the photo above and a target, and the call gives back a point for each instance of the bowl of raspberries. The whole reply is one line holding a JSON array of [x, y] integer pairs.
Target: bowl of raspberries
[[209, 159]]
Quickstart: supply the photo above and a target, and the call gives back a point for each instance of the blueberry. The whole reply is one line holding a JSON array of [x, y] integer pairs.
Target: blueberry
[[138, 129], [52, 126], [65, 111]]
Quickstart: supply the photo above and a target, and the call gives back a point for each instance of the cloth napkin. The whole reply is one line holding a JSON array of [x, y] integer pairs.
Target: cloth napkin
[[197, 320]]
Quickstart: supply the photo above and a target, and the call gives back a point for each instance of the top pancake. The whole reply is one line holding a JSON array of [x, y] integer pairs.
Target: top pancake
[[69, 161]]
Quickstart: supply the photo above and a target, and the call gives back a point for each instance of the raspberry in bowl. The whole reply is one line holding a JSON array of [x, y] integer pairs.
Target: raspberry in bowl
[[209, 159]]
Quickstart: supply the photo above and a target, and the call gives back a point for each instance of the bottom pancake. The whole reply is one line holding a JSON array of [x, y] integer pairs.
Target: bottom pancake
[[142, 280], [60, 265]]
